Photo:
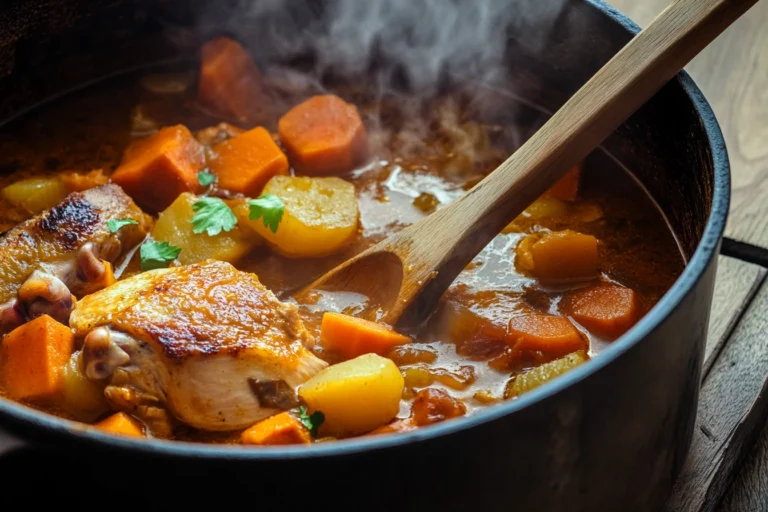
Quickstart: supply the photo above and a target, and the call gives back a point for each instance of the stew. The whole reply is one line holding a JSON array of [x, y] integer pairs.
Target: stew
[[157, 225]]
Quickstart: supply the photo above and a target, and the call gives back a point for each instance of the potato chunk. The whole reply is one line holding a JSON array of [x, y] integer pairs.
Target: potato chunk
[[174, 225], [321, 216], [537, 376], [559, 257], [356, 396], [81, 397], [36, 194]]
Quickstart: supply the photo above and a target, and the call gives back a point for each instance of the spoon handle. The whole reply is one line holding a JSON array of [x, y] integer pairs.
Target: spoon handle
[[448, 239]]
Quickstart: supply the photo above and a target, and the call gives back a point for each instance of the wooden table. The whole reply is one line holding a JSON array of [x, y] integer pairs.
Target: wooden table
[[727, 469]]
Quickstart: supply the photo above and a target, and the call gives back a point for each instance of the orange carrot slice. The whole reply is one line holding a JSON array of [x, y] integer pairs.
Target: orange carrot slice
[[230, 83], [553, 335], [282, 428], [245, 163], [567, 187], [155, 170], [324, 135], [351, 337], [121, 424], [607, 310], [33, 357]]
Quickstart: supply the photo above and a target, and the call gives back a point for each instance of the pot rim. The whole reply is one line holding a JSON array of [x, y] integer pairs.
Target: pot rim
[[44, 424]]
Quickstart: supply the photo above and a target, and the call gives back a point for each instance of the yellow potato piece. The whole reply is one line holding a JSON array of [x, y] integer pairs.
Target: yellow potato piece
[[81, 397], [535, 377], [321, 216], [174, 225], [356, 396], [36, 194]]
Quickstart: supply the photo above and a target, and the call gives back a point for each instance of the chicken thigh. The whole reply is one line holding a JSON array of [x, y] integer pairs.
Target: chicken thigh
[[64, 251], [206, 342]]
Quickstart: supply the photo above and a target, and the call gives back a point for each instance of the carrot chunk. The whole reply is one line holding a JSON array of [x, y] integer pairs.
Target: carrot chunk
[[352, 337], [553, 335], [230, 83], [560, 256], [282, 428], [608, 310], [324, 135], [121, 424], [567, 187], [33, 357], [157, 169], [245, 163]]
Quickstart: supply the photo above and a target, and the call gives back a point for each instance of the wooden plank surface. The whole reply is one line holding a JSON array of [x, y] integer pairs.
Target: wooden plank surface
[[733, 73], [733, 405], [735, 285], [749, 491]]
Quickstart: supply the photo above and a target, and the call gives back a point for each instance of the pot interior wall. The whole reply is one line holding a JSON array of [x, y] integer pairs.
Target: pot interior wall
[[47, 48]]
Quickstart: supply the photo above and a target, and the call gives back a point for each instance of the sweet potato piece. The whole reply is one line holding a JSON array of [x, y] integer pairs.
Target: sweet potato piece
[[553, 335], [33, 357], [282, 428], [352, 337], [608, 310], [324, 135], [230, 83], [567, 187], [156, 169], [121, 424], [559, 257], [247, 162]]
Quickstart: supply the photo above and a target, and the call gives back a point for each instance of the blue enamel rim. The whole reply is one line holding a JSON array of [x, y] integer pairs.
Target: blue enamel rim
[[42, 424]]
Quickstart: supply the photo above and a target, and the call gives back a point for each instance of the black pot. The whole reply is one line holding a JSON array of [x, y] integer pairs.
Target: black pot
[[609, 435]]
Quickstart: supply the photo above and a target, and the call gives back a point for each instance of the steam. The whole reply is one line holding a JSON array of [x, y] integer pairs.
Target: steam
[[403, 52], [415, 41]]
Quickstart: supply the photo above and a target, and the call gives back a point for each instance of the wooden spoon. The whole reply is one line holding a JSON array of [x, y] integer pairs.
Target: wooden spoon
[[405, 275]]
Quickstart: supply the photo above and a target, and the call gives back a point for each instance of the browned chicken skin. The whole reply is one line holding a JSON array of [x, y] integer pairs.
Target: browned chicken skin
[[200, 340], [59, 253]]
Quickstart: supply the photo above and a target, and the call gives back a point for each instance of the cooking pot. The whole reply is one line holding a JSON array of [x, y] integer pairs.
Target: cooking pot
[[610, 435]]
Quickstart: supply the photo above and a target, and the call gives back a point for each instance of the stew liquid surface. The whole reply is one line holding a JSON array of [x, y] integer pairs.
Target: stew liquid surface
[[577, 269]]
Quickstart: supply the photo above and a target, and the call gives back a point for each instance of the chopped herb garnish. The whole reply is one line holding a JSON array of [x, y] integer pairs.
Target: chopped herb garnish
[[205, 178], [157, 254], [270, 208], [114, 225], [311, 421], [212, 216]]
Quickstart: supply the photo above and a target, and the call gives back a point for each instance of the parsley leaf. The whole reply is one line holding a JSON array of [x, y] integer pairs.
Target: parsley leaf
[[115, 224], [212, 216], [270, 207], [205, 178], [157, 254], [311, 421]]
